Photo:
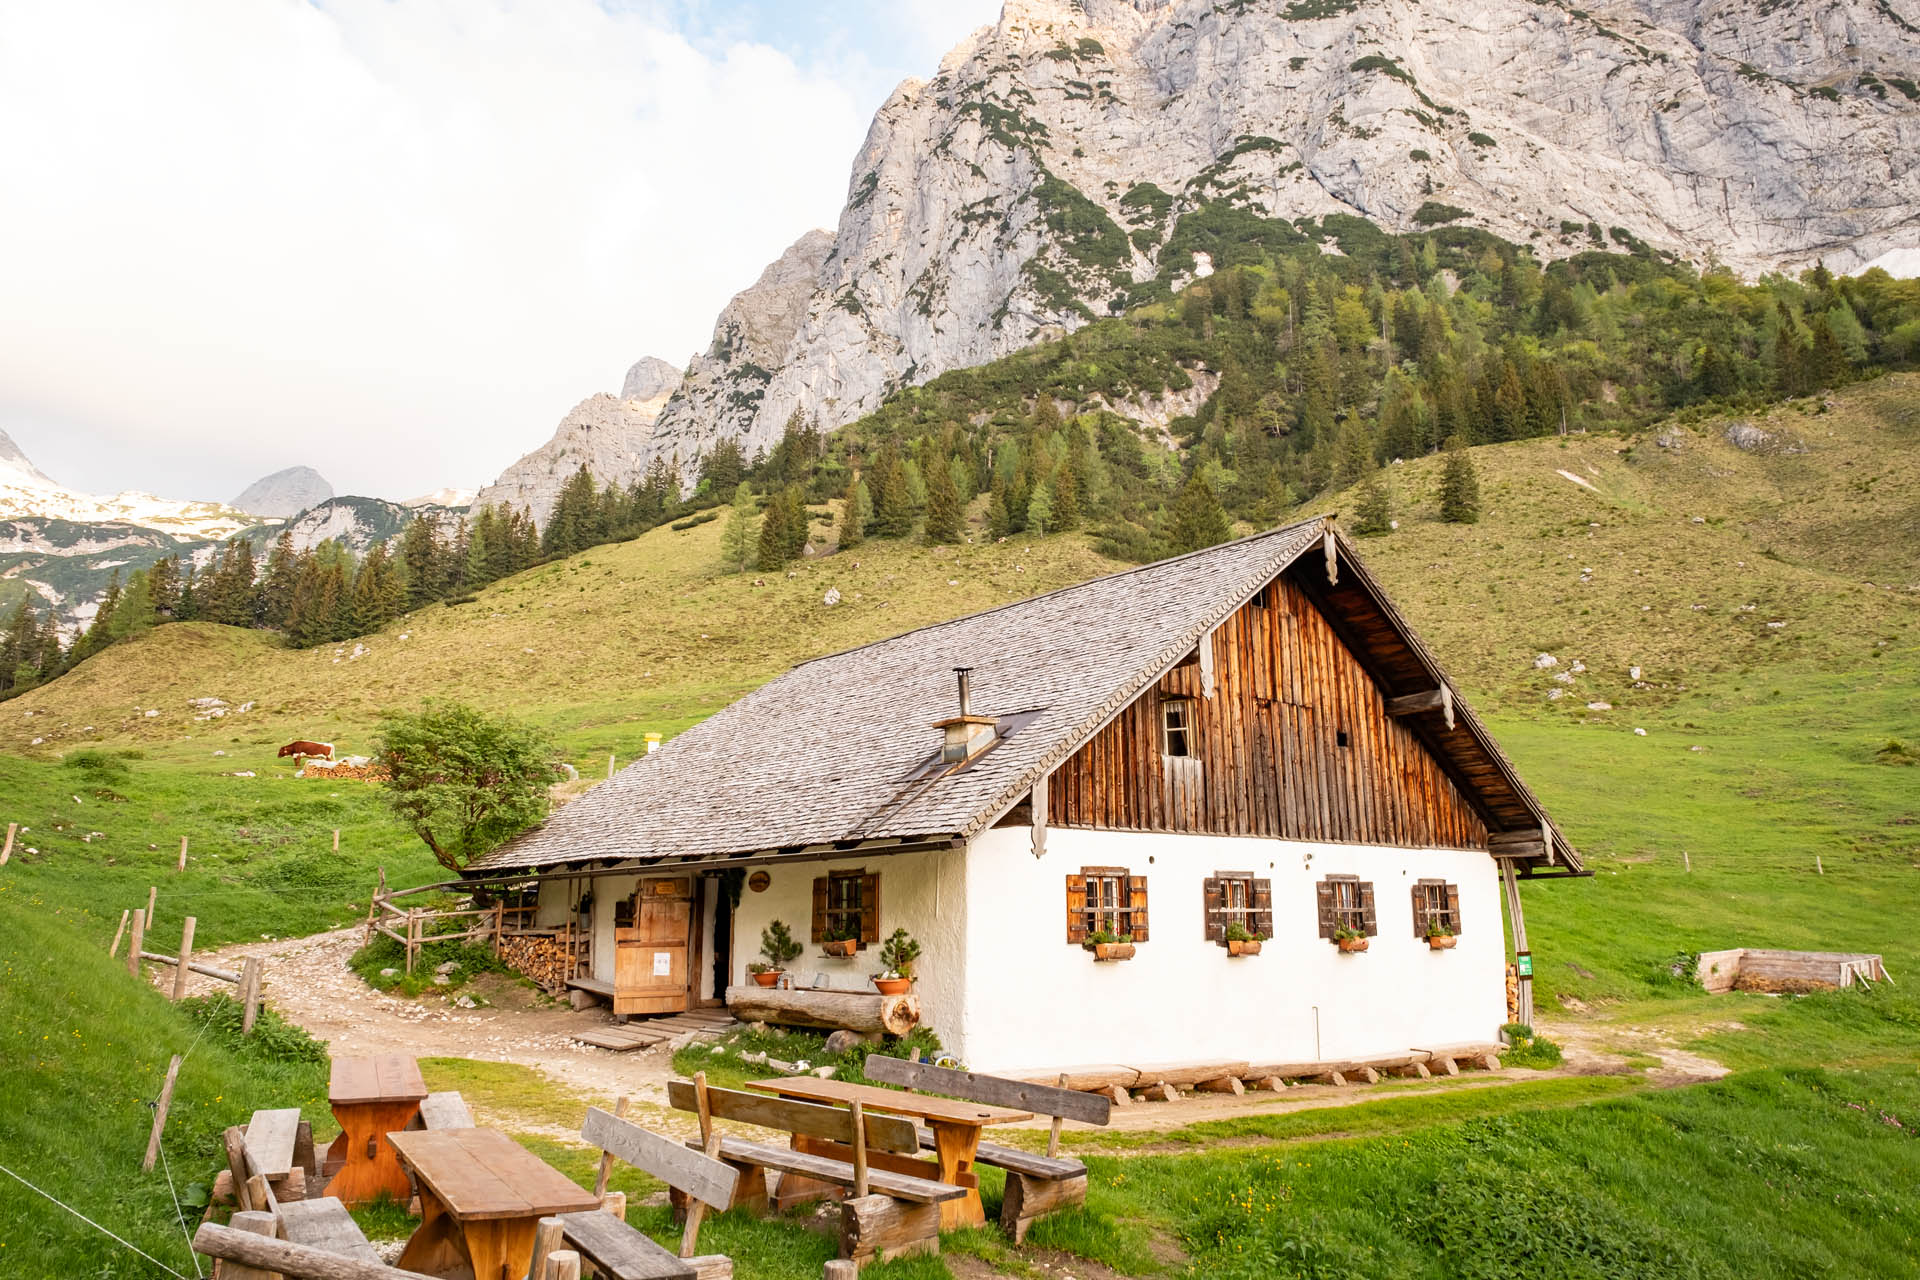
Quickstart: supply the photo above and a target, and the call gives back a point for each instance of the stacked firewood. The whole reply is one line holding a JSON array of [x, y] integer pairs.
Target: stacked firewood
[[373, 771], [1513, 993], [540, 956]]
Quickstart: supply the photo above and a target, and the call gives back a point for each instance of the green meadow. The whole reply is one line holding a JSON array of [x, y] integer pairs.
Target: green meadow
[[1762, 806]]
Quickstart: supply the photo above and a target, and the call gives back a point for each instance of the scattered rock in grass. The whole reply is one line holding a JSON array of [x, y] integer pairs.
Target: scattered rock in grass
[[1671, 439], [831, 598], [1545, 660], [1639, 733], [1599, 706]]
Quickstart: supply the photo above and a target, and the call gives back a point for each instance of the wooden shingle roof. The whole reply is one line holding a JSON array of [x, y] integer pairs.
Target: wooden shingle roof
[[834, 751]]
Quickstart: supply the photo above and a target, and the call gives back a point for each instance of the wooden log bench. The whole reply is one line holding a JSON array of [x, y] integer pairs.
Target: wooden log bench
[[273, 1138], [620, 1251], [893, 1210], [324, 1223], [250, 1242], [1036, 1184]]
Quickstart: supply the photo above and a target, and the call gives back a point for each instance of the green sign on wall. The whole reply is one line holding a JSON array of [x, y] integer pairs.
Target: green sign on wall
[[1524, 964]]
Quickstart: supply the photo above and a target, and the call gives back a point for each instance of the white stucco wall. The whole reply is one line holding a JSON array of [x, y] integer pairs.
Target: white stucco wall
[[923, 893], [1031, 999]]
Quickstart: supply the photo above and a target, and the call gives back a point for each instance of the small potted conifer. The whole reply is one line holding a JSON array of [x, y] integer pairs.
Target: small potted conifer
[[898, 954], [1348, 938], [1242, 941], [1108, 945], [778, 946], [1440, 936]]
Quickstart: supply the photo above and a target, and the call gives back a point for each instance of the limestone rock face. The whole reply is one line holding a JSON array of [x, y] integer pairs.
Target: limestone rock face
[[1020, 191], [612, 435], [284, 493]]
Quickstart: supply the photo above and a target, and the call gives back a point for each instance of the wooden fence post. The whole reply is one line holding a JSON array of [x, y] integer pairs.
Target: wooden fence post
[[256, 1222], [153, 916], [413, 926], [336, 839], [548, 1235], [182, 864], [606, 1157], [249, 993], [499, 926], [6, 851], [119, 933], [139, 937], [610, 760], [563, 1265], [160, 1115], [186, 957]]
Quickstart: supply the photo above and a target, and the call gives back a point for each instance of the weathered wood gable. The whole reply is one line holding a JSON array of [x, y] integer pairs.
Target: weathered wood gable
[[1294, 743]]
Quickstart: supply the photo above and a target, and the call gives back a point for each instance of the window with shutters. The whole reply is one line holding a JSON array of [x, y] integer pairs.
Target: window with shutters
[[1176, 727], [1346, 902], [1106, 900], [1237, 897], [1436, 908], [846, 904]]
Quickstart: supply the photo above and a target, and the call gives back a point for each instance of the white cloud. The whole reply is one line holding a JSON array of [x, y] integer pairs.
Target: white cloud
[[395, 239]]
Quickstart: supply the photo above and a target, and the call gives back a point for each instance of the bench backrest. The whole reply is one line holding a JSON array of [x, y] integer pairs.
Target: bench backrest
[[831, 1124], [270, 1138], [679, 1166], [1041, 1099], [445, 1111]]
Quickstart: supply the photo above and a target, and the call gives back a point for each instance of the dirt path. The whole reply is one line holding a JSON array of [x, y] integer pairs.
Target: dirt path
[[308, 983], [1600, 1048]]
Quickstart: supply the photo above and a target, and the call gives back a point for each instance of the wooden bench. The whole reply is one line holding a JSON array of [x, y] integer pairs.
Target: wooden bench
[[250, 1244], [324, 1223], [889, 1207], [446, 1110], [1036, 1184], [620, 1251]]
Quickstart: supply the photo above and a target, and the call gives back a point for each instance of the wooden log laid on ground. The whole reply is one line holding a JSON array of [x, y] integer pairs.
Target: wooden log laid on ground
[[1188, 1074], [255, 1224], [1269, 1084], [876, 1228], [1222, 1084], [1115, 1093], [833, 1010], [1160, 1091]]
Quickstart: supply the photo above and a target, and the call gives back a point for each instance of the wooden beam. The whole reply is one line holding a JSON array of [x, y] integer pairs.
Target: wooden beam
[[1206, 663], [1331, 549], [1440, 699], [1039, 803], [1518, 919]]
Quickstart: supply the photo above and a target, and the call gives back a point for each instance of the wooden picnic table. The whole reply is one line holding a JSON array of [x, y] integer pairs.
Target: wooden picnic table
[[372, 1097], [956, 1134], [481, 1196]]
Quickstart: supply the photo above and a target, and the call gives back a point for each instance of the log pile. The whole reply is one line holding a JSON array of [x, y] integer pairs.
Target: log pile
[[540, 956]]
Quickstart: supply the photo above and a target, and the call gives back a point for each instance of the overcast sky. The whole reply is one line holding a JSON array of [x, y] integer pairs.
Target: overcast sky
[[397, 240]]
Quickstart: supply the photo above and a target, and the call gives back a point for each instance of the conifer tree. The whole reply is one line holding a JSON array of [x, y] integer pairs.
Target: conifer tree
[[276, 587], [163, 581], [425, 557], [892, 499], [943, 503], [999, 523], [1197, 519], [1040, 511], [1353, 455], [1376, 505], [1459, 486], [783, 531], [570, 528], [855, 510], [1066, 497], [1509, 405], [738, 542], [477, 570]]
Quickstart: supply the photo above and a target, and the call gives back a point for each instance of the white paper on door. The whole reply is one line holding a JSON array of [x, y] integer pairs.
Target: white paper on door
[[662, 964]]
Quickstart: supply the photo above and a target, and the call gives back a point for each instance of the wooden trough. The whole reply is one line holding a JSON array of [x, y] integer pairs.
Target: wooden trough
[[1755, 969]]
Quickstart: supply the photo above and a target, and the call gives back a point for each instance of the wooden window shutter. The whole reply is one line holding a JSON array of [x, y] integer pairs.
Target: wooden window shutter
[[1419, 908], [1453, 906], [1214, 900], [1371, 925], [1137, 907], [1261, 917], [1076, 908], [1323, 899], [870, 907], [819, 908]]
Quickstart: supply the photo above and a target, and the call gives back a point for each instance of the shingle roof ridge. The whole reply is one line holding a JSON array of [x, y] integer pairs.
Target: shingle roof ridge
[[1081, 585]]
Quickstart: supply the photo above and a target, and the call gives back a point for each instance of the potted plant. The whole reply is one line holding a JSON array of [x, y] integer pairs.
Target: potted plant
[[1439, 936], [898, 953], [1106, 945], [778, 946], [1242, 941], [841, 940], [1347, 938]]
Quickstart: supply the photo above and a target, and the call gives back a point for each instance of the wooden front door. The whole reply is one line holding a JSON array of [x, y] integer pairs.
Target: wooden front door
[[650, 971]]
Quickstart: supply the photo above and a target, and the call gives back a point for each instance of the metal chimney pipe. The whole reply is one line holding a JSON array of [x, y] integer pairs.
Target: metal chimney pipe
[[963, 673]]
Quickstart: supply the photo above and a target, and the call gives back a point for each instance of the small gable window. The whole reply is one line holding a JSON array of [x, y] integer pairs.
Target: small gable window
[[846, 907], [1237, 897], [1106, 901], [1346, 902], [1176, 727], [1436, 909]]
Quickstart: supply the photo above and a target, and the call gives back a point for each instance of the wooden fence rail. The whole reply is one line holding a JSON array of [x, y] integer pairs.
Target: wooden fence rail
[[408, 926], [247, 980]]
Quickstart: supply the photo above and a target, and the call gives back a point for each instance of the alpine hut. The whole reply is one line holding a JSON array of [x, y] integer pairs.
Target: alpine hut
[[1245, 742]]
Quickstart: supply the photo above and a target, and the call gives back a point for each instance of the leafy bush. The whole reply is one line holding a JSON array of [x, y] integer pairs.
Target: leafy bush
[[274, 1039], [1525, 1049], [101, 767]]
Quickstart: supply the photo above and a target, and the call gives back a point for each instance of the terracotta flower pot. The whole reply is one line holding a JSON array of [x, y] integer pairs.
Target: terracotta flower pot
[[892, 986], [1251, 947], [844, 947], [768, 978], [1441, 941], [1113, 951], [1351, 944]]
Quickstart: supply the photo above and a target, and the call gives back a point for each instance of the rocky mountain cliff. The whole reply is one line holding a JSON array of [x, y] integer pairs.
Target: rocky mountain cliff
[[612, 435], [285, 493], [1026, 187]]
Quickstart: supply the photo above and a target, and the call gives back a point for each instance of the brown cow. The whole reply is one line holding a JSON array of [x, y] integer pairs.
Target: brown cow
[[302, 749]]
